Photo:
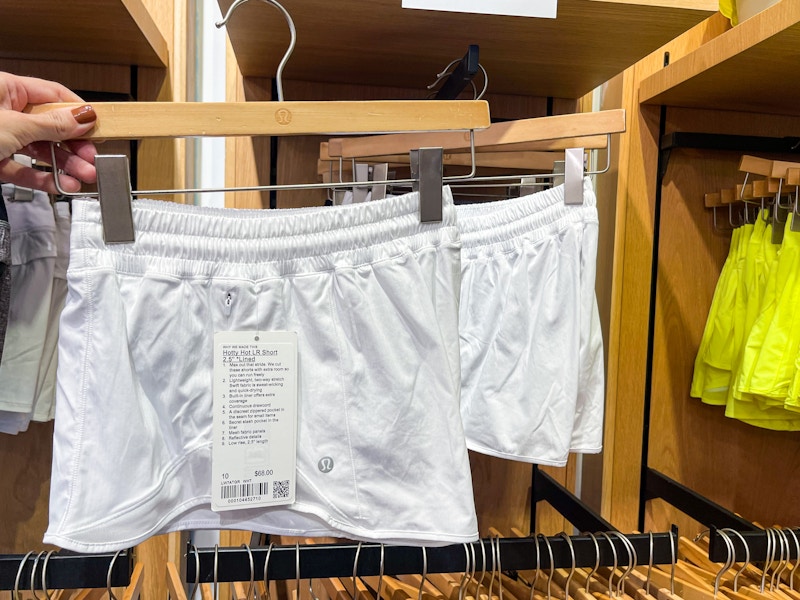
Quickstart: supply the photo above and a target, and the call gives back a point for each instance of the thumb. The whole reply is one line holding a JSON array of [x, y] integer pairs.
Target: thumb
[[57, 125]]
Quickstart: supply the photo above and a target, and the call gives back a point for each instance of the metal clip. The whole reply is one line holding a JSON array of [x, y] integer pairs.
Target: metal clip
[[430, 185], [573, 176], [114, 187], [380, 172], [22, 194], [360, 173]]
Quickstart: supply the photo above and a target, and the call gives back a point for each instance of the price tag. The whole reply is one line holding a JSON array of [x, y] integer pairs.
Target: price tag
[[255, 419], [515, 8]]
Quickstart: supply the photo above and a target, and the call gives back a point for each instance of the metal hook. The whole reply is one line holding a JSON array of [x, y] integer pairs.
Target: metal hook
[[292, 33], [797, 560], [552, 565], [499, 570], [573, 561], [216, 567], [746, 557], [769, 559], [266, 567], [464, 581], [47, 593], [728, 561], [380, 577], [784, 563], [424, 572], [33, 574], [632, 560], [616, 563], [494, 565], [108, 575], [596, 561], [25, 558], [196, 572], [673, 552], [252, 571], [355, 572], [483, 571], [741, 193], [649, 565], [538, 563], [446, 71]]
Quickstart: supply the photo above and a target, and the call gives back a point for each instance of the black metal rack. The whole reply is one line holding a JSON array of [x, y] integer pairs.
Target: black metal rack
[[63, 570]]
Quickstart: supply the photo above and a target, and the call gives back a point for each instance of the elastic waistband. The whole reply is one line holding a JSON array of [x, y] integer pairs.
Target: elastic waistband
[[531, 217], [184, 240]]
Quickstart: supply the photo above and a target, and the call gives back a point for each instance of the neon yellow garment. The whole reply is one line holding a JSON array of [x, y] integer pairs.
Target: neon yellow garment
[[728, 9], [728, 322], [718, 328], [768, 371]]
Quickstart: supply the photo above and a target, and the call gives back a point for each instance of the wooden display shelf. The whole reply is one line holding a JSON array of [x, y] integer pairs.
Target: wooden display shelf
[[84, 31], [376, 42], [750, 67]]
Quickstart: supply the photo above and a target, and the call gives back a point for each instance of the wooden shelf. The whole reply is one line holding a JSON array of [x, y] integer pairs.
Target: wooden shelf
[[376, 42], [751, 67], [84, 31]]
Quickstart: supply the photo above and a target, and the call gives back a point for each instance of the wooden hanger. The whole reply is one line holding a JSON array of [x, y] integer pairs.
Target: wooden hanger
[[495, 138], [139, 120]]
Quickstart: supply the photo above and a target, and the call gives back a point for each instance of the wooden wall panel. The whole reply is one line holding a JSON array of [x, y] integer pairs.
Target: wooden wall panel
[[627, 343]]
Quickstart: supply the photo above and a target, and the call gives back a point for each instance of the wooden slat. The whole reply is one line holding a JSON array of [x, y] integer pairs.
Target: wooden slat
[[137, 120], [380, 43], [499, 134], [90, 31], [745, 68]]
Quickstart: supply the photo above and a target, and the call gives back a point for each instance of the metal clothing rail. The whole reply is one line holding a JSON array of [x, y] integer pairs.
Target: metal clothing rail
[[338, 560], [63, 570]]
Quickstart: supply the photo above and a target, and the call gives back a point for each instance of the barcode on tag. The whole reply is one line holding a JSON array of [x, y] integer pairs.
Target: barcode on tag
[[244, 490], [280, 489]]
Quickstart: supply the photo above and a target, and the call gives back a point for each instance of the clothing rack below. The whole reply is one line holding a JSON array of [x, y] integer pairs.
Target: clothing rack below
[[572, 508], [66, 570], [337, 560], [713, 516]]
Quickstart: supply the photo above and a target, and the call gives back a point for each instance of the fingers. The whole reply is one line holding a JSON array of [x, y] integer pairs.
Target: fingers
[[13, 172], [72, 163], [16, 92], [55, 125]]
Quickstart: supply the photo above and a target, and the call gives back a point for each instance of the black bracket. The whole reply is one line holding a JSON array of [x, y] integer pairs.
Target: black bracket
[[459, 79]]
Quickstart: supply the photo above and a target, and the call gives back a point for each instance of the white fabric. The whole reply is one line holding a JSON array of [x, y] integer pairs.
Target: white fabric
[[373, 295], [33, 258], [531, 346]]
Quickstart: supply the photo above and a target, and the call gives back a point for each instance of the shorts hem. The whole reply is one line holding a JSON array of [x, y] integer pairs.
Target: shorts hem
[[548, 462]]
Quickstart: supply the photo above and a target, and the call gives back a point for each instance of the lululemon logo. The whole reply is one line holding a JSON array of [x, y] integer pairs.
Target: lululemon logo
[[325, 464], [283, 116]]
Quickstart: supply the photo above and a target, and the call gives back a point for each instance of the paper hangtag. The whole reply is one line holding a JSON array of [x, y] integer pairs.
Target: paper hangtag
[[254, 455]]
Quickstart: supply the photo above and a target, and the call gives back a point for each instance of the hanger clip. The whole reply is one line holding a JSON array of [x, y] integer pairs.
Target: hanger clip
[[573, 176], [114, 187], [430, 183], [22, 194]]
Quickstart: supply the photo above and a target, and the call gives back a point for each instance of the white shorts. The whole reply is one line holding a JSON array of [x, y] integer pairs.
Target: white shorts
[[373, 296], [531, 346], [33, 258]]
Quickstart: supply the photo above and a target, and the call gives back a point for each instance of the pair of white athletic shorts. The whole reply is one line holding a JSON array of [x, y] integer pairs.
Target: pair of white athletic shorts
[[39, 254], [373, 296], [531, 345]]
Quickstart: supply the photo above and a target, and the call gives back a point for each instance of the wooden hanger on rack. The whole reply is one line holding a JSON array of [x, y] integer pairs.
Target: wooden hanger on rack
[[499, 137]]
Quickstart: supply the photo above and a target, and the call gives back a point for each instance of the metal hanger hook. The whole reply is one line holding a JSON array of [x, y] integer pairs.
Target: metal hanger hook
[[728, 561], [196, 572], [33, 574], [746, 557], [499, 569], [47, 593], [616, 564], [424, 572], [355, 571], [292, 33], [111, 595], [573, 562], [216, 571], [538, 564], [464, 578], [25, 558], [596, 561], [252, 571], [266, 567], [552, 564]]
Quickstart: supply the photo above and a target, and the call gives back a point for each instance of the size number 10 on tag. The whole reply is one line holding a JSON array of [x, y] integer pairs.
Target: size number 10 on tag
[[254, 454]]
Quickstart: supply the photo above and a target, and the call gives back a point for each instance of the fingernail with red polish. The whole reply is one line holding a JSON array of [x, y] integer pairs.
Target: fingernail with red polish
[[84, 114]]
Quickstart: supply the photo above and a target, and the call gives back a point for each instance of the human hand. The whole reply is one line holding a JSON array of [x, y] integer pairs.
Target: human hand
[[30, 134]]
